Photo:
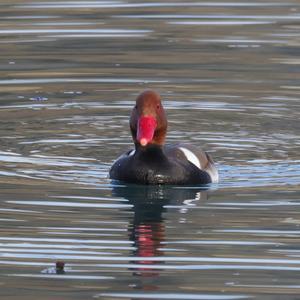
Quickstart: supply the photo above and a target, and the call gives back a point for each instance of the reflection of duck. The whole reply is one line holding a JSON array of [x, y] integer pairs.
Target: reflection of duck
[[153, 163], [147, 230]]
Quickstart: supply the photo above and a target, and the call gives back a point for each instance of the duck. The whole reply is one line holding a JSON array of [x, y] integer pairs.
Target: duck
[[154, 162]]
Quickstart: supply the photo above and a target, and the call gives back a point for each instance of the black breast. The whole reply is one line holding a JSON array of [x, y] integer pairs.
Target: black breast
[[152, 166]]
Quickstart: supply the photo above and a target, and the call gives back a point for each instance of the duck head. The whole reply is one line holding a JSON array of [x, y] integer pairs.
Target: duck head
[[148, 123]]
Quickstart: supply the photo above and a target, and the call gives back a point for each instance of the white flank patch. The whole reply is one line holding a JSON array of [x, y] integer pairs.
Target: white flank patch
[[213, 173], [191, 157], [131, 153]]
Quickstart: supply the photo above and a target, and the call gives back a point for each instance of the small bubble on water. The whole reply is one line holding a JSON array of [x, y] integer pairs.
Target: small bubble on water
[[73, 92], [38, 98]]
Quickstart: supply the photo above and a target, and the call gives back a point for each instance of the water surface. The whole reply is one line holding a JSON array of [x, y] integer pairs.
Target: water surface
[[228, 73]]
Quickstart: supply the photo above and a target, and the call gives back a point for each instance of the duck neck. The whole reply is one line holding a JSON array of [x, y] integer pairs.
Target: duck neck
[[151, 151]]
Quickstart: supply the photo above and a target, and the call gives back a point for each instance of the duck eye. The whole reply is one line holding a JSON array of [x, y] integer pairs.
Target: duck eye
[[158, 106], [135, 107]]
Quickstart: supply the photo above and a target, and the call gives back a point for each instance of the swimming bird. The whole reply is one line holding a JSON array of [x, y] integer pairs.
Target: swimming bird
[[153, 162]]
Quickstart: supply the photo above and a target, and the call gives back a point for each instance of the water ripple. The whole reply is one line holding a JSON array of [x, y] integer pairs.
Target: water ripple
[[172, 296], [122, 4], [78, 80]]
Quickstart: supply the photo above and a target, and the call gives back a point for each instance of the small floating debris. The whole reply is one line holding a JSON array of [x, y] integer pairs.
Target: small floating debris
[[58, 269], [38, 98]]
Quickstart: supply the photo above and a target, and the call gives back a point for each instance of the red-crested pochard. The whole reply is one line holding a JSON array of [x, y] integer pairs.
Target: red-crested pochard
[[152, 162]]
